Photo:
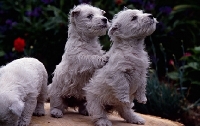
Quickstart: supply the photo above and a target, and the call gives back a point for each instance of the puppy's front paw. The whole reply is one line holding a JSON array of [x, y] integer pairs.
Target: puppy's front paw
[[103, 122], [103, 61], [137, 120], [56, 113], [142, 100], [39, 111], [23, 123]]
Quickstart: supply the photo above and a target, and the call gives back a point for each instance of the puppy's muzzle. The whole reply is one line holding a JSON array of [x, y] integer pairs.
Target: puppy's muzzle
[[152, 18]]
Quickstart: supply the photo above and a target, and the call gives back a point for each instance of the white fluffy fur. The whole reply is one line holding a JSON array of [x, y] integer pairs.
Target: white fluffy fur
[[23, 90], [123, 78], [82, 56]]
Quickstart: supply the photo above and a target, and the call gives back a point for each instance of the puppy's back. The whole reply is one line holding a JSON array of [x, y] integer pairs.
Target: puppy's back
[[23, 72]]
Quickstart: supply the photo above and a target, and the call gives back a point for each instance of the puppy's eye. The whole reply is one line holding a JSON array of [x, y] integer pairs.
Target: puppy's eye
[[90, 16], [134, 18]]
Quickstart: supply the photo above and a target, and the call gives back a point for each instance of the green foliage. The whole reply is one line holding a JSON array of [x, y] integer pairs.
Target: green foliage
[[187, 74], [176, 32], [162, 99], [42, 25]]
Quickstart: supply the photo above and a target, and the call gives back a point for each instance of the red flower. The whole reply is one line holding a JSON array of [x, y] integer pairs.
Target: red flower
[[118, 2], [187, 54], [171, 62], [19, 44]]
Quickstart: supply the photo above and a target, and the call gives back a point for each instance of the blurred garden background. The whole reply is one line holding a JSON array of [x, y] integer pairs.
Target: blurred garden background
[[38, 28]]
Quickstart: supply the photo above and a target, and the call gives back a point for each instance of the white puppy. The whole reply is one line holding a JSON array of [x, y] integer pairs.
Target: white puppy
[[123, 78], [23, 91], [82, 56]]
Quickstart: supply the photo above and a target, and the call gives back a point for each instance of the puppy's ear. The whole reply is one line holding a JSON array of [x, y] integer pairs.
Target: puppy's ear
[[114, 30], [125, 8], [75, 12], [17, 107], [103, 12]]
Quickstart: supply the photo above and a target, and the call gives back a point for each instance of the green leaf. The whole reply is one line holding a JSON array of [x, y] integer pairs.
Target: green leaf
[[184, 7], [56, 11], [197, 49], [195, 82], [184, 58], [27, 20], [2, 53], [193, 65], [173, 75], [62, 4]]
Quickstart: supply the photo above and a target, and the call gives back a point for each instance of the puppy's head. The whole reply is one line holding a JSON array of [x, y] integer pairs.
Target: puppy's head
[[10, 110], [89, 20], [132, 23]]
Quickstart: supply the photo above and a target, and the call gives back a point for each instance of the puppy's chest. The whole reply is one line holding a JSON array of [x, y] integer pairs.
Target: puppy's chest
[[92, 49], [130, 62], [139, 60]]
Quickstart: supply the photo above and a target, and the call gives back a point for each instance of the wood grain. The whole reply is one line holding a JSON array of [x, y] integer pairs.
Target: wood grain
[[72, 118]]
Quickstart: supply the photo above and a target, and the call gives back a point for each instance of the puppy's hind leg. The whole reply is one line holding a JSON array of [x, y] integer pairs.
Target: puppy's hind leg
[[26, 115], [128, 114], [96, 110], [39, 110]]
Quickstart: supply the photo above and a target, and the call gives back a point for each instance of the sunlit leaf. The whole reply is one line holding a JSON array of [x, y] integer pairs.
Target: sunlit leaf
[[195, 82], [184, 7]]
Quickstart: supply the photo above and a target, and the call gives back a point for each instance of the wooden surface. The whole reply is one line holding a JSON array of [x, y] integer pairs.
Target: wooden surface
[[72, 118]]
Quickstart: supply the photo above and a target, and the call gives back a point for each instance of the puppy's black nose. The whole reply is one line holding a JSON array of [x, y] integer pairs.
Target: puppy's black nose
[[104, 20], [150, 16]]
